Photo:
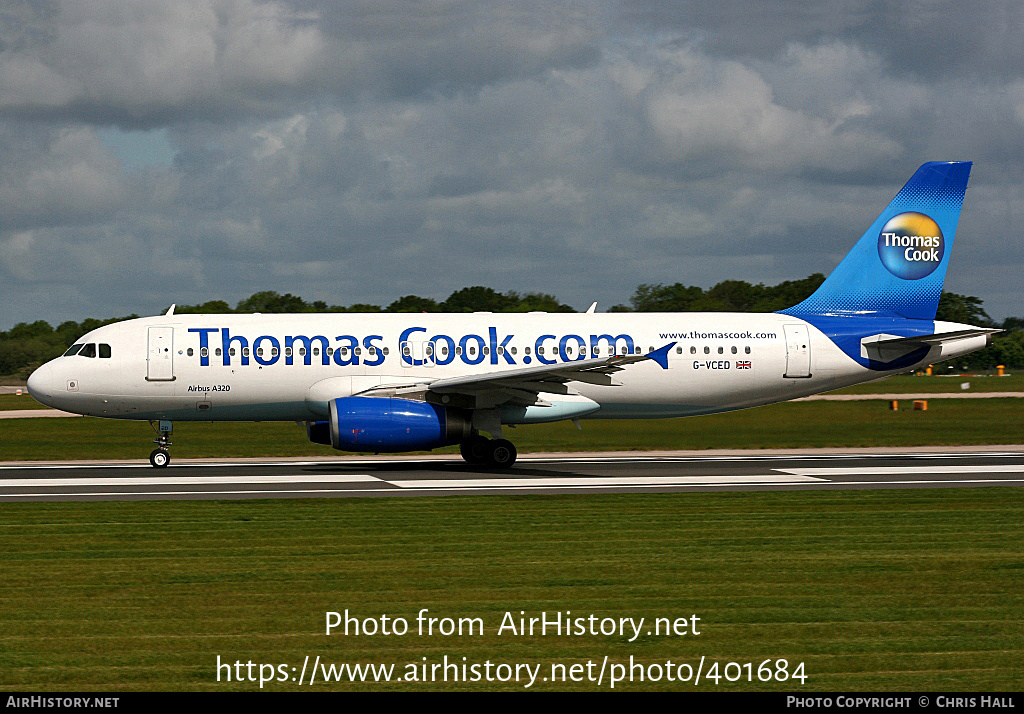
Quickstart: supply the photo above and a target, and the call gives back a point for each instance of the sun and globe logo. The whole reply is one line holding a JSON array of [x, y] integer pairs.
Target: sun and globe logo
[[910, 245]]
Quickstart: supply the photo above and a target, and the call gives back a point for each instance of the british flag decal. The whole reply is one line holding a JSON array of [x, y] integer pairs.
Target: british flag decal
[[743, 365]]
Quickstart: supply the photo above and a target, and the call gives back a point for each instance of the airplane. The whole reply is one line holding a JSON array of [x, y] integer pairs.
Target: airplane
[[376, 383]]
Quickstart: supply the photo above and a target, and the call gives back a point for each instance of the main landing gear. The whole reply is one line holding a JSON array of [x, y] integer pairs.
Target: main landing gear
[[481, 451], [161, 455]]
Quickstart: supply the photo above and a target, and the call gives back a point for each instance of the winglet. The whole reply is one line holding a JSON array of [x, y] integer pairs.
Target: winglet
[[660, 355], [170, 310]]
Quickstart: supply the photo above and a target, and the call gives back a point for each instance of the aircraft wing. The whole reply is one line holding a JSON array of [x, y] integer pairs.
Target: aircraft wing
[[522, 385]]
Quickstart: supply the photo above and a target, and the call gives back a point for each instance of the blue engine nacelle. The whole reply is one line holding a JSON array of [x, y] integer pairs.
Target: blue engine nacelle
[[383, 424]]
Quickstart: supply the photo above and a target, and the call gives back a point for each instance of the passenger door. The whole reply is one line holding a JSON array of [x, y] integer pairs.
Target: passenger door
[[798, 351], [160, 357]]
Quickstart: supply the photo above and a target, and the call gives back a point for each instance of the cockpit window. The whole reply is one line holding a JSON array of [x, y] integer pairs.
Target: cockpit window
[[88, 351], [73, 350], [105, 351]]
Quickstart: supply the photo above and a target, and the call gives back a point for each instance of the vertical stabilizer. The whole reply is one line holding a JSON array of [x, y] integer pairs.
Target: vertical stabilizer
[[898, 266]]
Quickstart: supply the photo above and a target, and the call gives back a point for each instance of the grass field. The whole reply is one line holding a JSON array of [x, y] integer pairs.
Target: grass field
[[19, 401], [788, 425], [906, 384], [872, 590]]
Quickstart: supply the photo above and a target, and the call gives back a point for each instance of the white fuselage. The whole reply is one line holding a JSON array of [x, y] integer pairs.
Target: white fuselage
[[288, 367]]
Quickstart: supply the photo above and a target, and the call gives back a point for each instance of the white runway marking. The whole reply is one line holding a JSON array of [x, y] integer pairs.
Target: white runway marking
[[183, 480], [582, 459], [904, 470], [568, 482], [587, 482], [174, 482], [250, 492], [146, 465], [409, 486]]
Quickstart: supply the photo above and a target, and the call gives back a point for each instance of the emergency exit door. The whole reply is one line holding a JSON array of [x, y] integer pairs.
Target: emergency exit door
[[160, 357], [798, 351]]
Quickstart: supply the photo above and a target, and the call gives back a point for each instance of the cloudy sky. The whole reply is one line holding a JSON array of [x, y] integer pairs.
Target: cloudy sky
[[187, 150]]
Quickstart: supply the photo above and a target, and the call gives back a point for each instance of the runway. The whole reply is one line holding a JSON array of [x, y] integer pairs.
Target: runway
[[563, 474]]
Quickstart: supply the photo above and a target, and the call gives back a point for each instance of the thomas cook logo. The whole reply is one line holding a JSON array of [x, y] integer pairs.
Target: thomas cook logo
[[911, 246]]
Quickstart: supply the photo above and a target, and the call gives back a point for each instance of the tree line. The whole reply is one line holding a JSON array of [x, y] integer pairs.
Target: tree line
[[27, 345]]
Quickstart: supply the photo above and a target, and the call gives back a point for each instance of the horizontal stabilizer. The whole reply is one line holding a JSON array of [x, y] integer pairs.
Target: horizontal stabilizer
[[939, 338], [886, 348]]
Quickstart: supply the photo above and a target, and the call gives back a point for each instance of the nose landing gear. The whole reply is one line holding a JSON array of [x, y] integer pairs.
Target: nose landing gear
[[161, 455]]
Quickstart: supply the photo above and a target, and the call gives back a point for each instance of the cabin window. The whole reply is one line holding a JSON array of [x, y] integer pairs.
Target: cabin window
[[707, 350], [273, 352], [245, 351], [287, 351], [444, 351], [540, 350], [302, 352], [747, 350], [104, 351], [259, 351], [472, 350], [721, 350], [526, 350], [386, 352], [679, 350], [458, 350], [734, 350], [218, 352], [487, 350], [189, 352], [358, 350], [316, 351], [231, 351], [330, 351], [693, 349], [88, 350], [513, 350], [373, 350]]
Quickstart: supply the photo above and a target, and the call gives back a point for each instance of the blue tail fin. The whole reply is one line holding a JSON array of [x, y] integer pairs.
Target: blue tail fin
[[898, 266]]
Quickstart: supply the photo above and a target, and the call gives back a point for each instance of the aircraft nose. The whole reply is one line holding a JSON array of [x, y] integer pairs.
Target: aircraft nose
[[41, 384]]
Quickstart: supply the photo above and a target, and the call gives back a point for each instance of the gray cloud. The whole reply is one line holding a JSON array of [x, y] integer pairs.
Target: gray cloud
[[357, 152], [924, 39], [144, 64]]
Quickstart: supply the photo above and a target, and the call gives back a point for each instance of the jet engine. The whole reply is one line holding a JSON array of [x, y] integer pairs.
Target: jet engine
[[386, 424]]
